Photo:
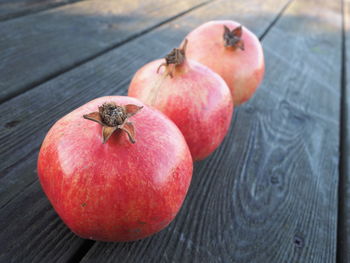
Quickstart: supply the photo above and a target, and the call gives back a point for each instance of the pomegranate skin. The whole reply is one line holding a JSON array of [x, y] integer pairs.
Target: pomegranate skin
[[195, 98], [117, 191], [243, 70]]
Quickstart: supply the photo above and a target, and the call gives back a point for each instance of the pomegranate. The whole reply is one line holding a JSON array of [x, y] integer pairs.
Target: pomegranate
[[124, 187], [193, 96], [233, 52]]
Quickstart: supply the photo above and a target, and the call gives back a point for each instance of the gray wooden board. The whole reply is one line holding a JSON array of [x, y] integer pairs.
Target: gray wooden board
[[344, 194], [14, 8], [108, 74], [37, 47], [21, 238], [269, 194]]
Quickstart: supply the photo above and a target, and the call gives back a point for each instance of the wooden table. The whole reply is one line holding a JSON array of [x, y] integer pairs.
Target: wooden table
[[278, 188]]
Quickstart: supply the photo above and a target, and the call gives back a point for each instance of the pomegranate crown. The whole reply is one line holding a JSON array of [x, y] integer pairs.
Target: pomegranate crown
[[113, 117], [176, 58], [233, 38]]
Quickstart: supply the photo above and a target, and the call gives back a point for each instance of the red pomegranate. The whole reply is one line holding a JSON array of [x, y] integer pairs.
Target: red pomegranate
[[193, 96], [233, 52], [119, 190]]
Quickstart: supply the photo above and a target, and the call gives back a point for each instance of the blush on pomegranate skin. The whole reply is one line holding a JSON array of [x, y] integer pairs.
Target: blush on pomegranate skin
[[190, 94], [232, 51], [117, 190]]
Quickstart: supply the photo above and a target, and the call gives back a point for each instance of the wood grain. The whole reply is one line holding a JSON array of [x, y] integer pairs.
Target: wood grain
[[53, 242], [108, 74], [344, 187], [16, 8], [38, 47], [269, 194]]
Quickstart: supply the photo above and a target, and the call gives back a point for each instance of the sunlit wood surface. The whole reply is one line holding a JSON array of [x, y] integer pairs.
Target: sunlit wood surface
[[277, 189]]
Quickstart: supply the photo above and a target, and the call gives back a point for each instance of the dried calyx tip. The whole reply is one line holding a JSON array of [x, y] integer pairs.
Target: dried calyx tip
[[176, 57], [233, 38], [112, 114], [113, 117]]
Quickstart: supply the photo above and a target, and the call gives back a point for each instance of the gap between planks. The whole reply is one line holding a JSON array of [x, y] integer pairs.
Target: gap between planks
[[343, 241]]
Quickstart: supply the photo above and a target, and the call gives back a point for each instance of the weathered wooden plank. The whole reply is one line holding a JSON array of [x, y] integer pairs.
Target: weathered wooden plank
[[22, 241], [108, 74], [269, 194], [36, 48], [344, 187], [16, 8], [314, 65]]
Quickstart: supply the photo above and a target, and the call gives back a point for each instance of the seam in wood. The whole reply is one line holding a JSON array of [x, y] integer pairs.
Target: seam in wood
[[100, 53], [342, 238], [276, 19], [82, 250]]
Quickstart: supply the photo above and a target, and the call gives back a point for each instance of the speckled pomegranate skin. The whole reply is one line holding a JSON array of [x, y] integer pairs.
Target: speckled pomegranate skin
[[195, 98], [116, 191], [243, 70]]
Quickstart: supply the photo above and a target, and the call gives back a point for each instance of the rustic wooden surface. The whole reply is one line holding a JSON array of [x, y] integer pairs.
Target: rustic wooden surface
[[268, 194]]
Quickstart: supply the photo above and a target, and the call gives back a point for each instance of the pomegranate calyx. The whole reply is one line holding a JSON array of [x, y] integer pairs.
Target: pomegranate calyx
[[176, 57], [233, 38], [128, 127], [107, 131], [113, 117]]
